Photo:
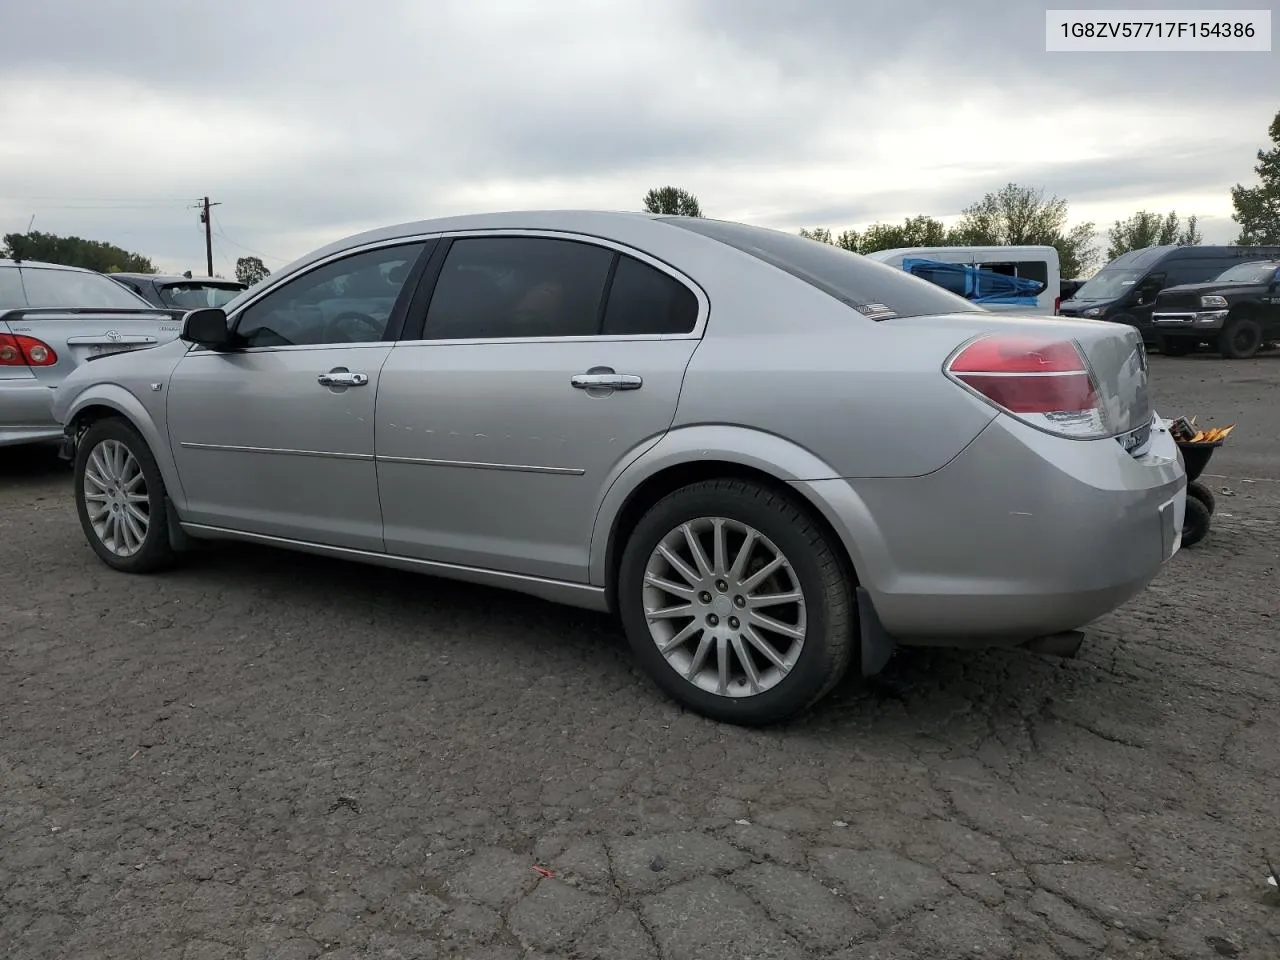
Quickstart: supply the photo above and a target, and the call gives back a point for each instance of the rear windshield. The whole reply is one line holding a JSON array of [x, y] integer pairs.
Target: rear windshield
[[193, 296], [874, 289], [50, 287]]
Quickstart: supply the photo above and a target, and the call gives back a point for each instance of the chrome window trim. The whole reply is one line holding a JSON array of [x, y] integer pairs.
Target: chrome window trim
[[697, 333]]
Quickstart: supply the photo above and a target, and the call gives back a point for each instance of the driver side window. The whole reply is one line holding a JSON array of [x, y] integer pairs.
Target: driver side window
[[346, 301]]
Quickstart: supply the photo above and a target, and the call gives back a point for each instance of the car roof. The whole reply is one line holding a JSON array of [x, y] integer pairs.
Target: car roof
[[588, 222], [39, 265]]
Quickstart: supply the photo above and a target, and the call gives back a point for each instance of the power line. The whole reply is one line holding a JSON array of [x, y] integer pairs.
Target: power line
[[221, 233], [130, 200]]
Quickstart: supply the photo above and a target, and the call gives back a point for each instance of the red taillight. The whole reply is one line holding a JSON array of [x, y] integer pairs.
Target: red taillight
[[1043, 382], [20, 351], [1057, 302]]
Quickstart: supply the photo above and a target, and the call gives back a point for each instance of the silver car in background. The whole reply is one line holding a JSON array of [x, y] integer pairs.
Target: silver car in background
[[52, 319], [769, 457]]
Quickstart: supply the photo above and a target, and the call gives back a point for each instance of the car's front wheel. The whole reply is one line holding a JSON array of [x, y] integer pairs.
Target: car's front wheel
[[736, 602], [120, 497], [1240, 339], [1177, 346]]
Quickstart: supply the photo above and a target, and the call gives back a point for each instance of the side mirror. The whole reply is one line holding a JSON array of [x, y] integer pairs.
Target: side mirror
[[207, 327]]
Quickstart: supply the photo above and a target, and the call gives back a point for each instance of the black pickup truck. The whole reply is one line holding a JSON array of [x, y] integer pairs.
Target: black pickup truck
[[1238, 312]]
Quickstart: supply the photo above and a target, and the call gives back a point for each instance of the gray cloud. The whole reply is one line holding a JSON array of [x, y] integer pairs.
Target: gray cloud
[[313, 120]]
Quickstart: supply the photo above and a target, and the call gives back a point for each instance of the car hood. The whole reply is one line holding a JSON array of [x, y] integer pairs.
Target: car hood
[[1207, 287]]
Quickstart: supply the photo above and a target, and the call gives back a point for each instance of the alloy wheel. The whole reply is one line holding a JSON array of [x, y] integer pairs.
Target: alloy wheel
[[724, 607], [116, 498]]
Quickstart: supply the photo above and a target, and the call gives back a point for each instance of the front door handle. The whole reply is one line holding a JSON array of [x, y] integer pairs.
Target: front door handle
[[342, 378], [607, 381]]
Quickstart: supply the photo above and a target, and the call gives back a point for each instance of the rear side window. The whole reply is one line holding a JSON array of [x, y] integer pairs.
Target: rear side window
[[518, 287], [644, 300], [863, 284], [1036, 270]]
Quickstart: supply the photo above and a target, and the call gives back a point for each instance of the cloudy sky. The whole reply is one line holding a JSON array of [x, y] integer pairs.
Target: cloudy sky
[[312, 119]]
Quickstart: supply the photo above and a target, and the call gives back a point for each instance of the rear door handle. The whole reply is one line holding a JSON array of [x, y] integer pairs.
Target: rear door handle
[[342, 378], [607, 381]]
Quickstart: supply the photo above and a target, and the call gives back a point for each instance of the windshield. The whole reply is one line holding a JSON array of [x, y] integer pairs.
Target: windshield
[[1108, 284], [50, 287], [1248, 273], [874, 289], [193, 296]]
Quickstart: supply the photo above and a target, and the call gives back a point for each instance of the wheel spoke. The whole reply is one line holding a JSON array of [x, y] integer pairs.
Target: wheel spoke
[[670, 586], [718, 546], [763, 574], [695, 548], [722, 661], [671, 613], [681, 638], [690, 575], [766, 648], [135, 533], [775, 626], [136, 481], [774, 599], [699, 657], [744, 555], [743, 656]]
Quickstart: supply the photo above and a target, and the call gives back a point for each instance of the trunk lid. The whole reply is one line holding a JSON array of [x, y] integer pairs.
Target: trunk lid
[[77, 336]]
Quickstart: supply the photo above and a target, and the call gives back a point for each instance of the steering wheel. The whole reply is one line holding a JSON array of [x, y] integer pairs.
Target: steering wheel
[[351, 326]]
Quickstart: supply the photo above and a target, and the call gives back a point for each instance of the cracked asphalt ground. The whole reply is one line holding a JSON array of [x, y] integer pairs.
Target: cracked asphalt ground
[[265, 755]]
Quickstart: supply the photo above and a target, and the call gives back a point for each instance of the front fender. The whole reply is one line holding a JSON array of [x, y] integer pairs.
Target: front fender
[[741, 446], [124, 403]]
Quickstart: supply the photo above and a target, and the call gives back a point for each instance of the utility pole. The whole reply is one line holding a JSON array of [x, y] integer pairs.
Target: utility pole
[[207, 220]]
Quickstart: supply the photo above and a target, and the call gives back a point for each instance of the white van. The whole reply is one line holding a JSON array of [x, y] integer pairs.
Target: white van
[[975, 272]]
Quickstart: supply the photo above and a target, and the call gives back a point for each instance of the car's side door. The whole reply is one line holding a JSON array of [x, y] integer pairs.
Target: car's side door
[[276, 436], [545, 365], [1271, 305]]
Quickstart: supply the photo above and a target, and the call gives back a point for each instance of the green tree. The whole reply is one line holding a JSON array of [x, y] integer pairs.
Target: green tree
[[249, 270], [917, 231], [1257, 209], [1146, 229], [1018, 215], [672, 202], [821, 234], [75, 252]]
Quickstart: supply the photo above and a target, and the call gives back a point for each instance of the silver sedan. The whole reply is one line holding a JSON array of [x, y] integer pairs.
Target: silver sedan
[[770, 458], [52, 319]]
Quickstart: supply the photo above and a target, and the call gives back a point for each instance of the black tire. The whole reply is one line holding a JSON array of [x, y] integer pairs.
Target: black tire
[[1196, 523], [155, 552], [1177, 346], [1202, 493], [816, 566], [1240, 339]]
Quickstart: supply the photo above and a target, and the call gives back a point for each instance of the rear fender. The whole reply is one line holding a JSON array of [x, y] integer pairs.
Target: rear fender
[[740, 446], [126, 405]]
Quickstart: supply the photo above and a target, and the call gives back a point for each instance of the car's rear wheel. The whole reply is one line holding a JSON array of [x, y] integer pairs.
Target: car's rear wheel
[[1195, 523], [1240, 339], [736, 602], [120, 497]]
